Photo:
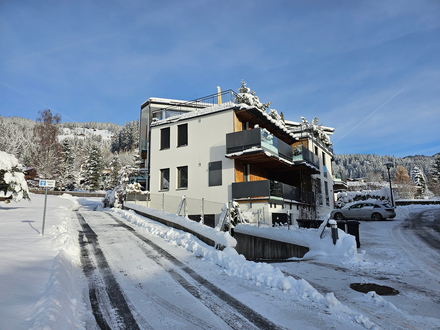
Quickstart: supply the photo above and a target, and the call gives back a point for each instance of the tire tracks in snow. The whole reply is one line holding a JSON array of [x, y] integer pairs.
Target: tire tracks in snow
[[108, 294], [232, 311]]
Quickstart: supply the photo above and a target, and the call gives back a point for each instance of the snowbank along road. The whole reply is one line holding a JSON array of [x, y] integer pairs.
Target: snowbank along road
[[119, 297]]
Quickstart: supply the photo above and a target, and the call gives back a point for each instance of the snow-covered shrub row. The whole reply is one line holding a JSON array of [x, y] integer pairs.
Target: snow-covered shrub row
[[349, 197]]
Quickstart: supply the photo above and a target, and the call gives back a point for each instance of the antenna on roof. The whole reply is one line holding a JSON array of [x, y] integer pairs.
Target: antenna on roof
[[219, 97]]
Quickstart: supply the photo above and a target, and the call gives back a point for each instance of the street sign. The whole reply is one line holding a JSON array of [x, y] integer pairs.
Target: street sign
[[47, 183]]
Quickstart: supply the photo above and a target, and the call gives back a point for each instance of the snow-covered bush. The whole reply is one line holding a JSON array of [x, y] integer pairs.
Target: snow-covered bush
[[12, 182], [348, 197], [246, 96], [115, 197]]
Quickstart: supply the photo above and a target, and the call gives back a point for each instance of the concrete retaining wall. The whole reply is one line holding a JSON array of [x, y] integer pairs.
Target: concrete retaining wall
[[259, 248], [204, 239]]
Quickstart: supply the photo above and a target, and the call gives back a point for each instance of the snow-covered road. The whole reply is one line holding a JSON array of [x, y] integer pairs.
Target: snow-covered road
[[392, 255], [139, 284], [126, 271]]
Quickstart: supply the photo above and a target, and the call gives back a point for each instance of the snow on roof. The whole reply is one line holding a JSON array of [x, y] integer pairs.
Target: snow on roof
[[195, 113], [291, 128]]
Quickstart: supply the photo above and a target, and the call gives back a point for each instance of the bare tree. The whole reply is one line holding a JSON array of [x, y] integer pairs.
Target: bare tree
[[47, 153], [405, 187]]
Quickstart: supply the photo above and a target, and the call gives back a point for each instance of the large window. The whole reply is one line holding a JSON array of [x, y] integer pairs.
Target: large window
[[182, 135], [165, 179], [327, 197], [182, 177], [215, 174], [165, 138]]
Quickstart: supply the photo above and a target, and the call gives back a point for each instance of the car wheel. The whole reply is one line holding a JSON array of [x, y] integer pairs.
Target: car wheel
[[339, 216], [376, 217]]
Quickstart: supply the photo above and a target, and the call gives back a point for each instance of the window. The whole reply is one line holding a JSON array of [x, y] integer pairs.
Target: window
[[316, 151], [323, 158], [182, 135], [165, 179], [215, 174], [327, 197], [182, 177], [165, 138]]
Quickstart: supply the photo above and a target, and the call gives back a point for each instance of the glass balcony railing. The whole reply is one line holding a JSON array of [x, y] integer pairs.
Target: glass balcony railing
[[301, 154], [339, 177], [261, 138], [144, 144]]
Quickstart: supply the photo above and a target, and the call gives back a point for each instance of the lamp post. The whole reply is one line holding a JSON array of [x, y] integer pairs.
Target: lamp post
[[389, 165]]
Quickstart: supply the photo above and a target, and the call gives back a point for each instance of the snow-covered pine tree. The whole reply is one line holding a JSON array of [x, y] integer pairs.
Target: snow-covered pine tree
[[419, 179], [434, 177], [12, 182], [67, 167], [92, 169], [246, 96], [112, 180]]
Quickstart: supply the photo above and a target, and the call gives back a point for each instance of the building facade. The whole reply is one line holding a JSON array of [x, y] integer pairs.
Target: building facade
[[276, 169]]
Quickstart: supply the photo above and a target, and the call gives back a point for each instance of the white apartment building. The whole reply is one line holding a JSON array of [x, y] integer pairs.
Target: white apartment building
[[224, 152]]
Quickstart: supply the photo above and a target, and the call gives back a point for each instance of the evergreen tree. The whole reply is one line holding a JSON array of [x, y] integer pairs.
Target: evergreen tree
[[112, 180], [246, 96], [93, 168], [12, 183], [434, 176], [67, 168], [419, 179]]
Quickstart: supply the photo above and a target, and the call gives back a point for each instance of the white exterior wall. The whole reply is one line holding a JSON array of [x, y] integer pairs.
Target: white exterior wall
[[324, 209], [206, 143]]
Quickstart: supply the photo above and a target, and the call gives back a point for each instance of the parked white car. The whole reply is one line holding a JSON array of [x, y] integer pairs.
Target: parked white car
[[365, 211]]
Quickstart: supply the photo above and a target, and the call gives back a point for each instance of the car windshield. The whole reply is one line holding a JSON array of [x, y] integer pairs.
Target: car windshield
[[387, 205]]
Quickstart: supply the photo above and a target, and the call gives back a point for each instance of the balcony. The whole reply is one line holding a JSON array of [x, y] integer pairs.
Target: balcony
[[339, 182], [258, 146], [273, 191]]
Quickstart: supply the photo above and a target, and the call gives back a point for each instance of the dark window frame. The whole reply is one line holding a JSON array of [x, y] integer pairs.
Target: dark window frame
[[165, 134], [215, 174], [162, 177], [182, 183], [182, 135]]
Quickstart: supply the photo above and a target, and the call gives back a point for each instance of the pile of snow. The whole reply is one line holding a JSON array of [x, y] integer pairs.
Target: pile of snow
[[344, 251], [347, 198], [262, 274], [42, 282], [219, 237]]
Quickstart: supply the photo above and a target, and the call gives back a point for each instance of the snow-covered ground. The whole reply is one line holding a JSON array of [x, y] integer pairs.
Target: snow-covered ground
[[42, 284], [84, 132]]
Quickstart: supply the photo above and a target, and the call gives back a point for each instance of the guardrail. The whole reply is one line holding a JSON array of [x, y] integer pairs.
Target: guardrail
[[73, 193]]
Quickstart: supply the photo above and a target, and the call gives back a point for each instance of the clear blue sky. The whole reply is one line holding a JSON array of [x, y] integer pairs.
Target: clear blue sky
[[370, 69]]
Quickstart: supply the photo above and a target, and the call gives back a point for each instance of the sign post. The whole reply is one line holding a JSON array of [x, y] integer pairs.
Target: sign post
[[46, 184]]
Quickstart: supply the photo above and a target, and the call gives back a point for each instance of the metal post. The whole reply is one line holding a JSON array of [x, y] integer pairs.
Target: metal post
[[391, 189], [202, 213], [229, 218], [334, 226], [44, 213], [163, 201]]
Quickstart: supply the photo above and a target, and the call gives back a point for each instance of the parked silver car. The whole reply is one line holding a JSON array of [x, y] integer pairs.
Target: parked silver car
[[364, 211]]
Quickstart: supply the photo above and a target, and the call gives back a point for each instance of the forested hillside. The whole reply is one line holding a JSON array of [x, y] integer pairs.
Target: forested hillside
[[74, 154], [356, 166]]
